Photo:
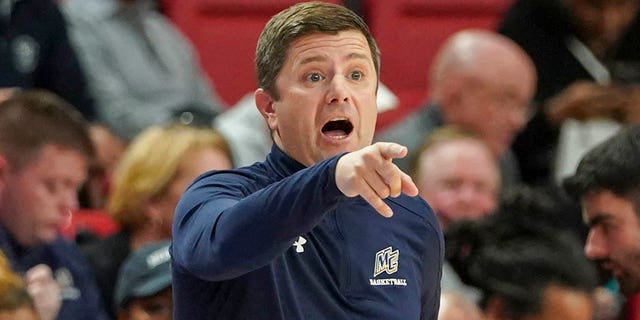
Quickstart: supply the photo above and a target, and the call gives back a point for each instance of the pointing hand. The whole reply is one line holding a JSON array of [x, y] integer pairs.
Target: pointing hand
[[371, 174]]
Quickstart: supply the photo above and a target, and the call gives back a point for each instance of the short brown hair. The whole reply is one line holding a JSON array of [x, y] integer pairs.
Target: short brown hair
[[31, 120], [299, 20]]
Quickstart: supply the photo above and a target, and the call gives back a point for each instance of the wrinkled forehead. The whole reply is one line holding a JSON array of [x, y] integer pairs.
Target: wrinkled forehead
[[348, 38], [464, 153], [316, 46]]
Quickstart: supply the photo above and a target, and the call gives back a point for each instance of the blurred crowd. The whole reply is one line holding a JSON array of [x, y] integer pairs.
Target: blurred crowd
[[525, 148]]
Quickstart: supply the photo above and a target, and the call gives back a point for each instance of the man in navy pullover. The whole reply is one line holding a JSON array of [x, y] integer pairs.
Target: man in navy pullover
[[44, 156], [327, 227]]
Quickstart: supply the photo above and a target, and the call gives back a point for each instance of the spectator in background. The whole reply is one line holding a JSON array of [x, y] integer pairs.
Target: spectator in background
[[44, 155], [91, 221], [152, 174], [143, 287], [522, 271], [457, 174], [16, 303], [482, 82], [141, 70], [552, 211], [39, 55], [108, 151], [586, 52], [553, 208], [607, 182]]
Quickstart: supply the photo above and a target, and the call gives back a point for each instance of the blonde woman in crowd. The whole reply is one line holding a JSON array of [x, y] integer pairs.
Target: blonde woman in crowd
[[147, 183]]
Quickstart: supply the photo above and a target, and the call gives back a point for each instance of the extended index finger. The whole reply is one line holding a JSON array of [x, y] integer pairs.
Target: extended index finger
[[391, 150]]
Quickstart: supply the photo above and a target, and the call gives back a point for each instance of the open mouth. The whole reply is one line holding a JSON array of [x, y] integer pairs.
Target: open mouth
[[338, 128]]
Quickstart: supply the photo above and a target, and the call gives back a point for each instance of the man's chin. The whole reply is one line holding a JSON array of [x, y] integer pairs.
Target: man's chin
[[628, 286], [326, 154], [335, 150], [48, 236], [499, 148]]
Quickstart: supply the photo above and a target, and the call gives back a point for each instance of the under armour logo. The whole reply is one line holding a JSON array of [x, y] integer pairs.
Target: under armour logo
[[298, 244]]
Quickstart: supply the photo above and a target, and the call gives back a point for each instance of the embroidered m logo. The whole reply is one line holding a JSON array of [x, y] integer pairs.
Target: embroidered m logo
[[386, 261]]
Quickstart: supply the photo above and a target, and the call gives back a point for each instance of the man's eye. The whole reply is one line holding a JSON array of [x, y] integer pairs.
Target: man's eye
[[51, 186], [153, 308], [451, 184], [607, 228], [356, 75], [315, 77]]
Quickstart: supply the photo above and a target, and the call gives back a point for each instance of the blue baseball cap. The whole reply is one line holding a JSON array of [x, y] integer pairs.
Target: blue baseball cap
[[144, 273]]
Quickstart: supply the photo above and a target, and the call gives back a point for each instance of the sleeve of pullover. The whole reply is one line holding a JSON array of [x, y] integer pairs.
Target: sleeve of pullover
[[230, 223]]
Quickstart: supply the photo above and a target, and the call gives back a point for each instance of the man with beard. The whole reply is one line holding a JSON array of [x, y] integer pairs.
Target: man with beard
[[607, 182]]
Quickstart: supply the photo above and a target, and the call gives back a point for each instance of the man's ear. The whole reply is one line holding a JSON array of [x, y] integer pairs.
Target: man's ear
[[264, 103], [451, 94], [453, 98]]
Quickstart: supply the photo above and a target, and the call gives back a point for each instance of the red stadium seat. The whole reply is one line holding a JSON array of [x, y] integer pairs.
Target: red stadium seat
[[97, 222], [224, 33], [632, 307]]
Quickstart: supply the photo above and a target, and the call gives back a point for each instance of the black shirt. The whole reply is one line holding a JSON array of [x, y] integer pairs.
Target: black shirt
[[35, 52]]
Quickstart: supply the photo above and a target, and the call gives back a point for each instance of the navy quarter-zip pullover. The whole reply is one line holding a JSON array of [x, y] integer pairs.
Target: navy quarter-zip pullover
[[276, 240]]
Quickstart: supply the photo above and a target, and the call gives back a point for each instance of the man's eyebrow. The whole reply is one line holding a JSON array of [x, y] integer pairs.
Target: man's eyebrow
[[598, 219], [320, 58], [357, 55]]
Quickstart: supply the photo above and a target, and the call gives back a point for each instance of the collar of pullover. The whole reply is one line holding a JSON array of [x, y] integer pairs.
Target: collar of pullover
[[281, 163]]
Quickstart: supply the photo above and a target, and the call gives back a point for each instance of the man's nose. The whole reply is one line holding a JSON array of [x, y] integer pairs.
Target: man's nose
[[338, 91], [468, 193], [517, 116], [596, 246], [69, 201]]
